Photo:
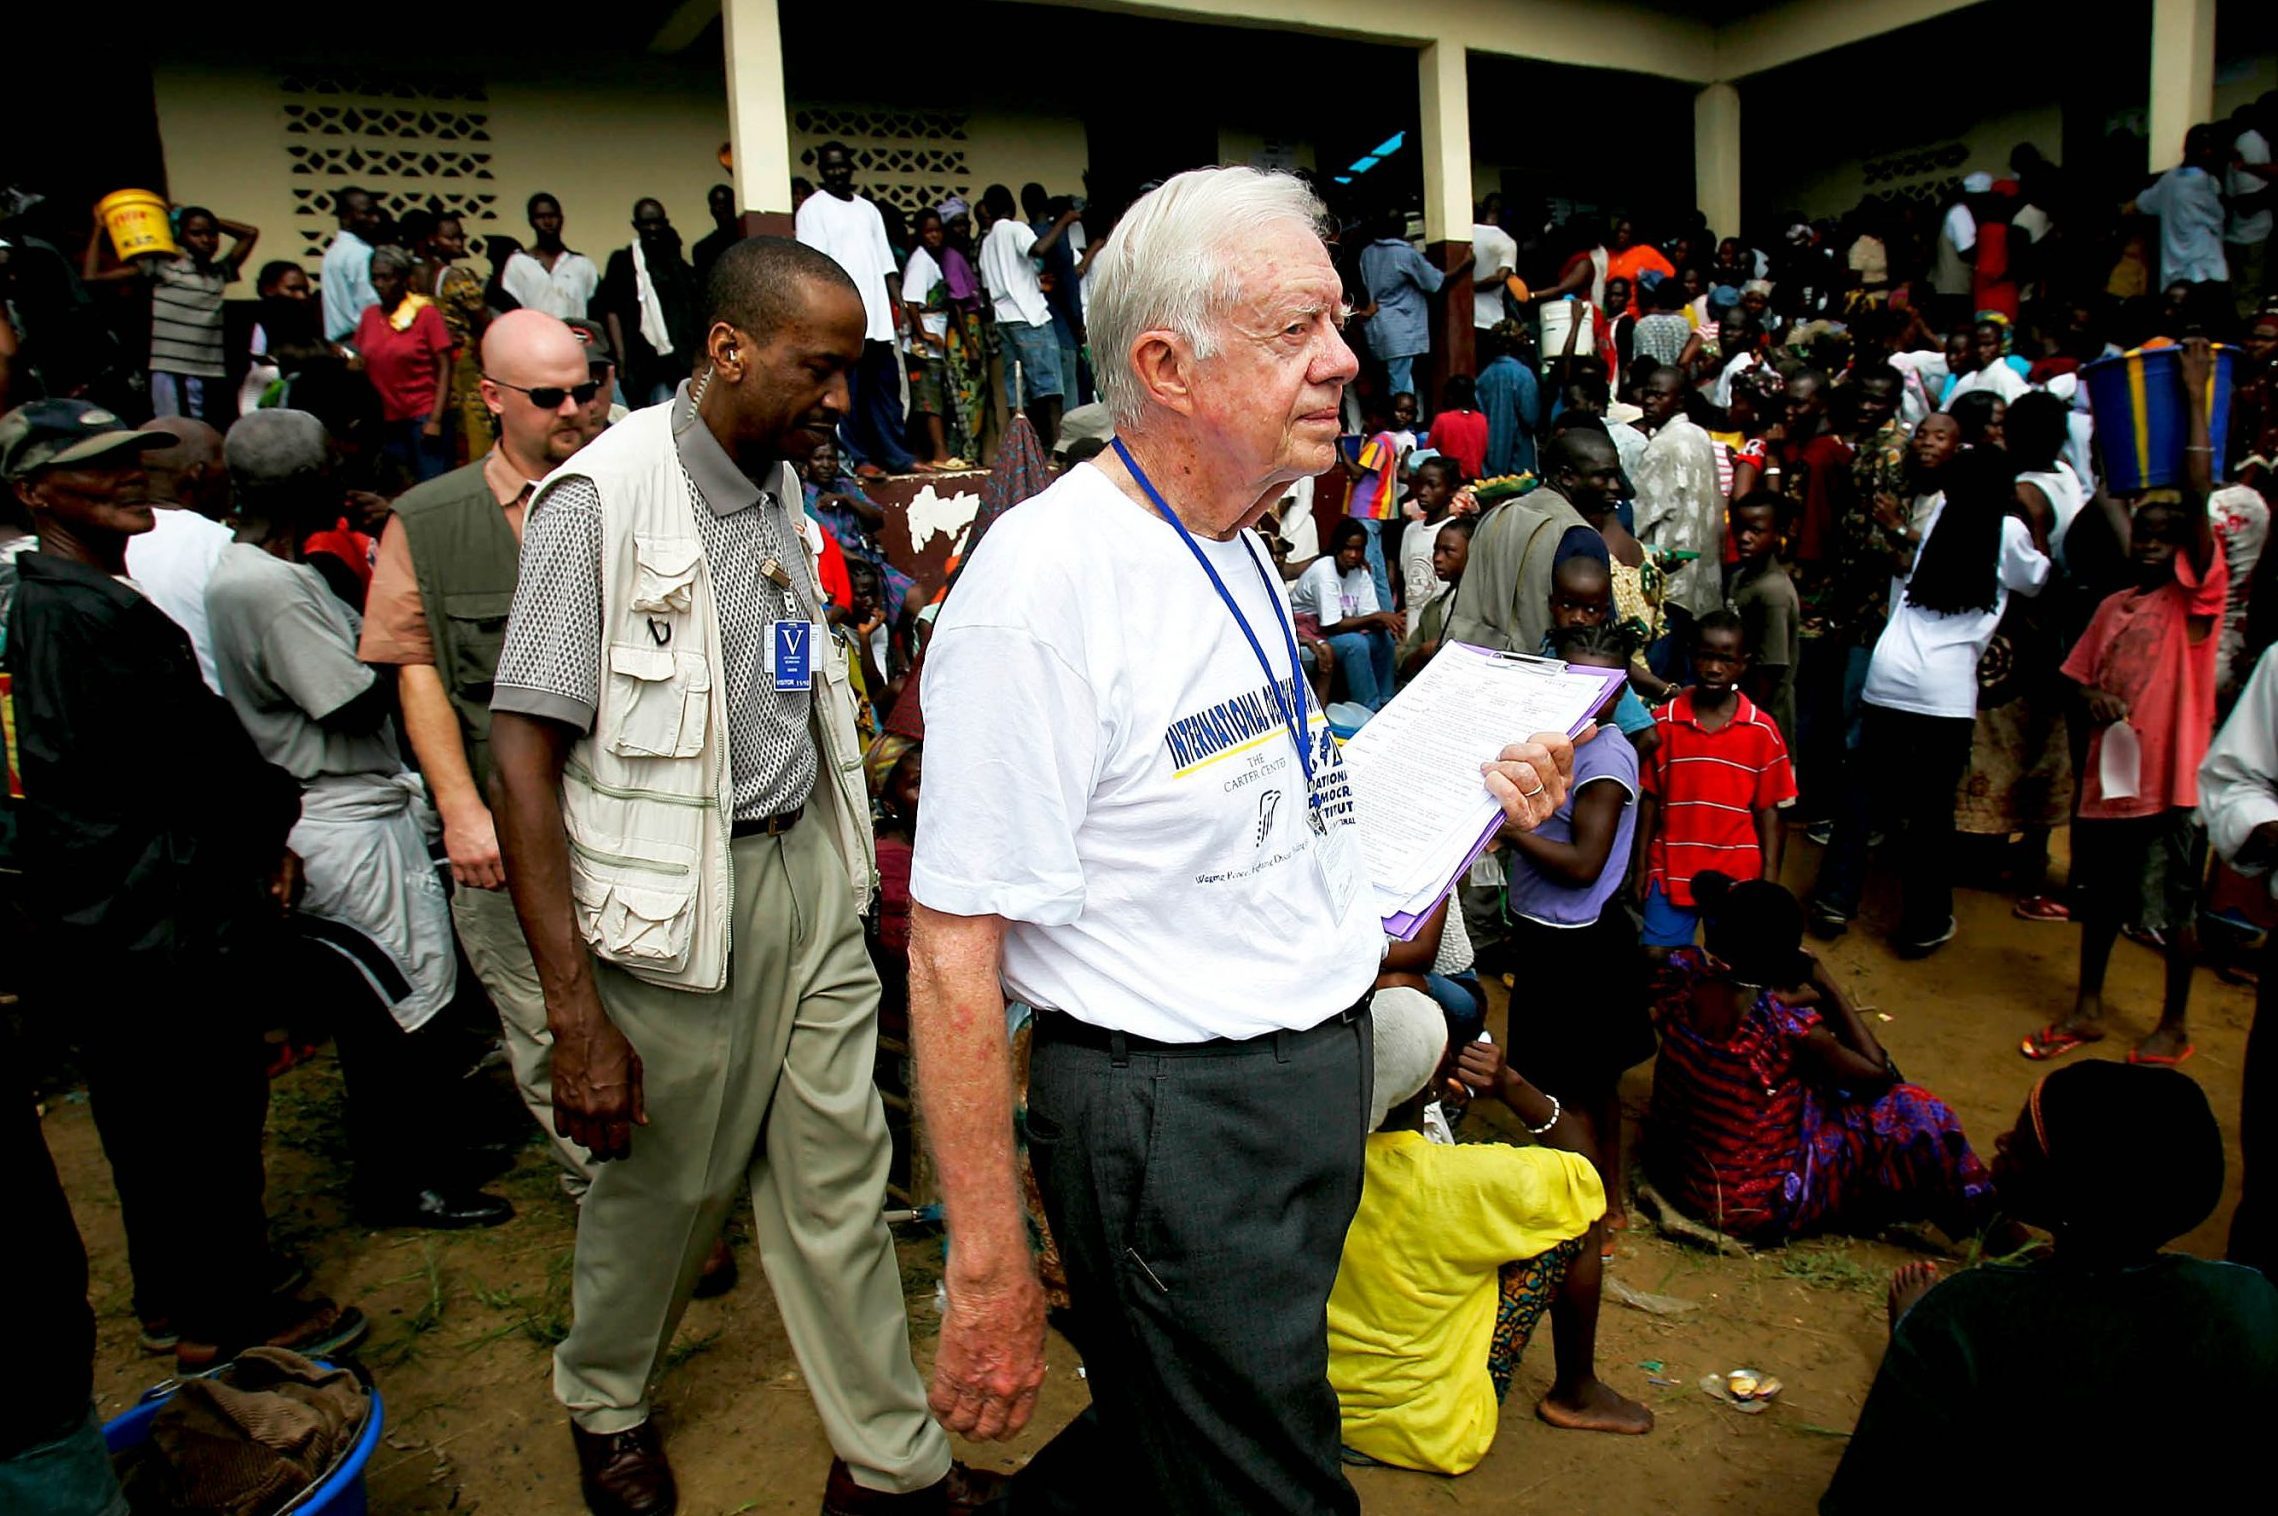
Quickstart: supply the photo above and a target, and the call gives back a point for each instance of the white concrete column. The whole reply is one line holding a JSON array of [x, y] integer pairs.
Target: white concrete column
[[2182, 74], [1716, 157], [1445, 97], [759, 119]]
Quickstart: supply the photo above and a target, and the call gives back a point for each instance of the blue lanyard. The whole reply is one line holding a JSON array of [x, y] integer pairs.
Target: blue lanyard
[[1281, 622]]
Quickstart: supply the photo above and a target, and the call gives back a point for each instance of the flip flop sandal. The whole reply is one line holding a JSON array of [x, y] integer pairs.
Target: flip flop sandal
[[2052, 1042], [2041, 908], [2162, 1060]]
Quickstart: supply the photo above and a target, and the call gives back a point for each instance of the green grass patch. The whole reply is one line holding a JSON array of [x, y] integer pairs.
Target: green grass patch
[[1832, 1268]]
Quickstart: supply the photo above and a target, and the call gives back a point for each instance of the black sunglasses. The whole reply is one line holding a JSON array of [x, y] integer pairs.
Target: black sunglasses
[[550, 397]]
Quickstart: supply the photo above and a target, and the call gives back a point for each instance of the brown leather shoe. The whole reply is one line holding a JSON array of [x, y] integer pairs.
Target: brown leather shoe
[[960, 1492], [625, 1473]]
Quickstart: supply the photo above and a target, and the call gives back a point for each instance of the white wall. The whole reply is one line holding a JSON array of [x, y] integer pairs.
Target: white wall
[[1834, 177], [599, 143]]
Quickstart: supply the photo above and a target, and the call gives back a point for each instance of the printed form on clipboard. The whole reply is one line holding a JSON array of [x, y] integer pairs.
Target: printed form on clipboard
[[1420, 802]]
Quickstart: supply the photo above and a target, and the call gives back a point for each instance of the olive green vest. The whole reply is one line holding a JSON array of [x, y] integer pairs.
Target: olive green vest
[[466, 559]]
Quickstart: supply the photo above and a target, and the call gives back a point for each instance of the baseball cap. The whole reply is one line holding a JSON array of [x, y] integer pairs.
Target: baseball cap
[[44, 433], [597, 349]]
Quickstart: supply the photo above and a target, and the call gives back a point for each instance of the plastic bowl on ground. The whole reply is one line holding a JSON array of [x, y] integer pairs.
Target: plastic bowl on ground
[[339, 1493]]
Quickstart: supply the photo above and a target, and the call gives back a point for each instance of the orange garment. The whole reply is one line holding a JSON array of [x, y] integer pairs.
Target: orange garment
[[1632, 261]]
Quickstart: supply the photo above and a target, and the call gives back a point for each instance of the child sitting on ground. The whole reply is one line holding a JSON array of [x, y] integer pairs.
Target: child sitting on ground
[[1334, 600], [2147, 661], [1452, 1258], [1771, 613], [1582, 1018], [1438, 960], [1712, 789], [2010, 1345], [1775, 1111]]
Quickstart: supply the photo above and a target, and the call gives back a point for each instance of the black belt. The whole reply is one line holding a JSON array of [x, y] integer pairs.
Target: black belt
[[769, 826], [1058, 1026]]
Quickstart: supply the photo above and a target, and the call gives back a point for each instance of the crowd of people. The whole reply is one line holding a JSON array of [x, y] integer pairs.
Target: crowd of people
[[532, 641]]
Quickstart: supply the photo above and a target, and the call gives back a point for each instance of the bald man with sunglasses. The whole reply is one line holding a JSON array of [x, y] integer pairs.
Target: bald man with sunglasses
[[436, 612]]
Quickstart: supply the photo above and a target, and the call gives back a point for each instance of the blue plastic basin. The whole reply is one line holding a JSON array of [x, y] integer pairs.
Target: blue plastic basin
[[340, 1494]]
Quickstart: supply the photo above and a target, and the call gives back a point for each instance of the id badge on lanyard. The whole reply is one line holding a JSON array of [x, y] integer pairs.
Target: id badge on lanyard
[[1335, 853], [787, 652]]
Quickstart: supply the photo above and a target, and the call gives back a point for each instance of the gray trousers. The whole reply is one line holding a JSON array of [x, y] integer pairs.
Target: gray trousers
[[1200, 1201], [491, 935], [766, 1084]]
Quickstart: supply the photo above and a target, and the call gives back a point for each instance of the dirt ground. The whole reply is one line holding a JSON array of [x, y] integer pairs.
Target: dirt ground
[[463, 1322]]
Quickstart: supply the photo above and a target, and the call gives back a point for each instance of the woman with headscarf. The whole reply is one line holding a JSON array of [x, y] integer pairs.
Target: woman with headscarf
[[965, 351], [1455, 1255], [1996, 1378], [406, 351], [1775, 1111], [458, 296]]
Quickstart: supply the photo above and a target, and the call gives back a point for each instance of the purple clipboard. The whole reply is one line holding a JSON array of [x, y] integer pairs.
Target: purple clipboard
[[1407, 924]]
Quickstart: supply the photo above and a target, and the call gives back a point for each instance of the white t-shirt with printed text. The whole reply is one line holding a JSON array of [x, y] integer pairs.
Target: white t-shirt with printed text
[[1108, 771], [1330, 597]]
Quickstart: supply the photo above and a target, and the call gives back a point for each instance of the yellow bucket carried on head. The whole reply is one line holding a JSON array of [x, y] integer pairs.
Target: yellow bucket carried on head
[[138, 224]]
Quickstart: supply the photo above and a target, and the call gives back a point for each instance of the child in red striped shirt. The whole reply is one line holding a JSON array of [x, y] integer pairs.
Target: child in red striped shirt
[[1710, 794]]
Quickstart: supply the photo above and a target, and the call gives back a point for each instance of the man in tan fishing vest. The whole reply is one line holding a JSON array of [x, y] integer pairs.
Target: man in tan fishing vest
[[686, 831], [437, 612]]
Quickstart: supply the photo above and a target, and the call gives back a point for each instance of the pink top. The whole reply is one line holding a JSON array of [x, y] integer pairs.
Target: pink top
[[2139, 647]]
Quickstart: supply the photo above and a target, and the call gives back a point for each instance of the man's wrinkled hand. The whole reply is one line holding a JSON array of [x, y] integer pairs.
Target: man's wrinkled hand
[[1529, 780], [991, 1360]]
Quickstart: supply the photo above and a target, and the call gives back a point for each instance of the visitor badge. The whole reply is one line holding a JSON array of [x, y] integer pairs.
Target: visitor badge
[[1336, 854], [791, 654]]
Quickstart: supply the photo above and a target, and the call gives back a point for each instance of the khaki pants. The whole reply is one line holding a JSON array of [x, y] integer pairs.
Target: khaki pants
[[767, 1083], [492, 937]]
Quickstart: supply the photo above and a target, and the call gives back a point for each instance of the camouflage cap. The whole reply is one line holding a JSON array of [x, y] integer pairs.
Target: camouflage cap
[[44, 433]]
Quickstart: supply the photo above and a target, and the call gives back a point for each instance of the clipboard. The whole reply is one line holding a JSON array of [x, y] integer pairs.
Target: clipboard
[[1425, 813]]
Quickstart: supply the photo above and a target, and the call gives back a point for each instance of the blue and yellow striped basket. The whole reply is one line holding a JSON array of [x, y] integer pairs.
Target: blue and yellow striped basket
[[2141, 423]]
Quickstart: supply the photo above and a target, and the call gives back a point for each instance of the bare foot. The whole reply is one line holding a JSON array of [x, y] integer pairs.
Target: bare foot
[[1594, 1407], [1909, 1283]]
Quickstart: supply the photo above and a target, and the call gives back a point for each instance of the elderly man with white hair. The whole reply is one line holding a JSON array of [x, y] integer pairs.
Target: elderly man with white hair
[[1137, 822]]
